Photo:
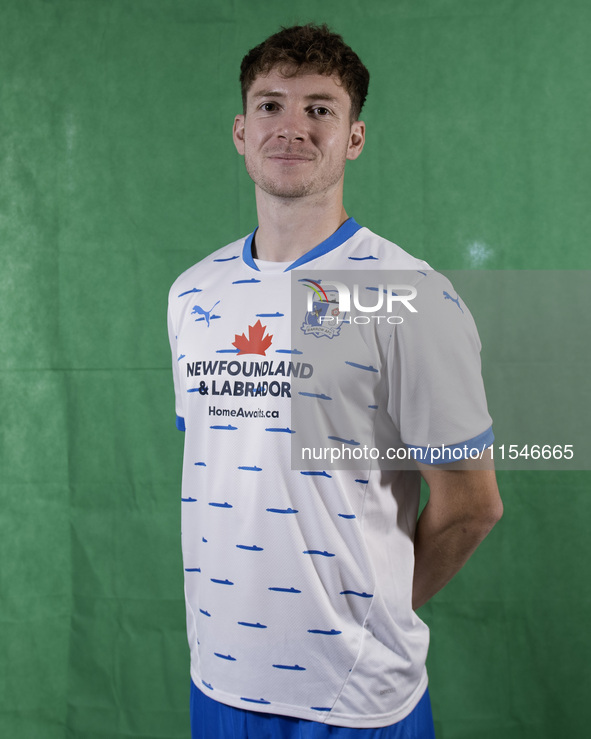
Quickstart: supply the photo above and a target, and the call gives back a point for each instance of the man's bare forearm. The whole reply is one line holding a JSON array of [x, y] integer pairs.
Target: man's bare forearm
[[463, 507], [441, 551]]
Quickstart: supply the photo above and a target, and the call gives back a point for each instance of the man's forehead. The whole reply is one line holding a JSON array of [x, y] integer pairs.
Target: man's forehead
[[306, 82]]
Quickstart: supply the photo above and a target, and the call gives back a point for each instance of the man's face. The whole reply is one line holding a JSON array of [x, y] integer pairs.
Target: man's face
[[297, 134]]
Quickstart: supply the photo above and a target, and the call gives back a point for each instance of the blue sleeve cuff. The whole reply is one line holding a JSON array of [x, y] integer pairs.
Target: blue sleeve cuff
[[444, 454], [180, 423]]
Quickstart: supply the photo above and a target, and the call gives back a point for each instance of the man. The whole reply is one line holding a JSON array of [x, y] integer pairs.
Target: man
[[301, 585]]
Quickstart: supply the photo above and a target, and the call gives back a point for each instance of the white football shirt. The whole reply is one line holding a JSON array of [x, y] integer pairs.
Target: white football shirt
[[298, 582]]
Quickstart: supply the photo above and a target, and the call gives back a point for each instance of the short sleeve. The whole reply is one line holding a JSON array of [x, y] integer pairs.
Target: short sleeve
[[436, 394], [172, 337]]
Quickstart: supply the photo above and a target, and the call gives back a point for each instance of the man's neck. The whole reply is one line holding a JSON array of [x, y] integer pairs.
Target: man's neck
[[289, 228]]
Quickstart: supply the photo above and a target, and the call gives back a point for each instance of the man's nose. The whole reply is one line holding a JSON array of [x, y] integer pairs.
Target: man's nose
[[292, 127]]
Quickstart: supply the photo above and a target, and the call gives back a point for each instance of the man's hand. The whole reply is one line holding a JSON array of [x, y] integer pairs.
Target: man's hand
[[463, 507]]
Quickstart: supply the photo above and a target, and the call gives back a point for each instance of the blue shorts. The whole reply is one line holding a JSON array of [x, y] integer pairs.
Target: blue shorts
[[213, 720]]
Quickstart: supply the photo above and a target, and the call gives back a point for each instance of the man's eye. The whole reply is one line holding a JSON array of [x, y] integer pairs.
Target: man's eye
[[320, 111], [268, 107]]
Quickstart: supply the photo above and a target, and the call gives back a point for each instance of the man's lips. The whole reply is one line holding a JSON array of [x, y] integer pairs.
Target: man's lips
[[281, 156]]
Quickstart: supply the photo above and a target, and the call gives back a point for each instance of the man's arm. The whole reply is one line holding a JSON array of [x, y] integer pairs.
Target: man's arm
[[463, 507]]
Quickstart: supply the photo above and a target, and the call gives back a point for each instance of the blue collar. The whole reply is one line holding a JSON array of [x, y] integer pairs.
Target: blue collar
[[349, 227]]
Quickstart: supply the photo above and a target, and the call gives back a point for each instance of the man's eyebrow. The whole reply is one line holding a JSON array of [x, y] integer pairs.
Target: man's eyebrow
[[312, 96]]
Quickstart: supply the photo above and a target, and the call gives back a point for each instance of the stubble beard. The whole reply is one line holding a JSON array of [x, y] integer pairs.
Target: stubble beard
[[297, 189]]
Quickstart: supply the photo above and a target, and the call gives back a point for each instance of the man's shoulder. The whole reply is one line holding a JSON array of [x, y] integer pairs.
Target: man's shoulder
[[368, 250], [216, 262]]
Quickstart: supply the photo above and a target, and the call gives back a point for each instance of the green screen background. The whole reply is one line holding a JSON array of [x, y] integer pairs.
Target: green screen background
[[117, 172]]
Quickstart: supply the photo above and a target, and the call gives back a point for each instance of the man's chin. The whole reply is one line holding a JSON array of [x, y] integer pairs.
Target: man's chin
[[286, 191]]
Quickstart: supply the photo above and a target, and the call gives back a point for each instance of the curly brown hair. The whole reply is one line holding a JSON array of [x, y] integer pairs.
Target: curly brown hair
[[303, 49]]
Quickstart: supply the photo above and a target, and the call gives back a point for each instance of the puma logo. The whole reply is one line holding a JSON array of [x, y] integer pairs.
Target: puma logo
[[455, 300], [205, 313]]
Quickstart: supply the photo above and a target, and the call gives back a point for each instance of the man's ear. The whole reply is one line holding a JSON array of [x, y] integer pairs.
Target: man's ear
[[238, 133], [356, 139]]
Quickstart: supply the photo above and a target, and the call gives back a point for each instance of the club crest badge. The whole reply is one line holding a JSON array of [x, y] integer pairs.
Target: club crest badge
[[325, 319]]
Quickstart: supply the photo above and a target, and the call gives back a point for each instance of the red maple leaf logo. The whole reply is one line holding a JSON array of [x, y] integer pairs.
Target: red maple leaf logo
[[256, 342]]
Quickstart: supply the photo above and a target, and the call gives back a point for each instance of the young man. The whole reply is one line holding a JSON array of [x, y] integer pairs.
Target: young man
[[302, 585]]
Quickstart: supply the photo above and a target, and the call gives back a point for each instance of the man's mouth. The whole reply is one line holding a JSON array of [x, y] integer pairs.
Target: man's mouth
[[283, 156]]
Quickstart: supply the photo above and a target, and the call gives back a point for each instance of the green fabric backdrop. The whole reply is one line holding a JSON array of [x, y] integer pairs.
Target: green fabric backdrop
[[117, 172]]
